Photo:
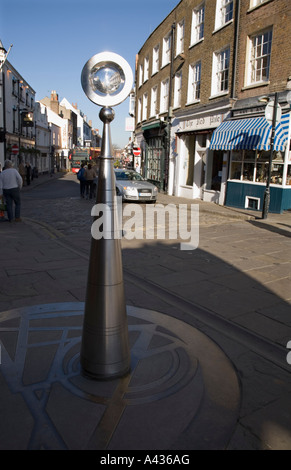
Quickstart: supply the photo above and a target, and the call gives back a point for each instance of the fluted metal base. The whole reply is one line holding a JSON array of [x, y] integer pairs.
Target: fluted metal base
[[105, 349], [105, 346]]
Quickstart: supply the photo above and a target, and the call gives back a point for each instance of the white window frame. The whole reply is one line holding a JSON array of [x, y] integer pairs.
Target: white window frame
[[197, 26], [180, 37], [139, 110], [256, 3], [144, 107], [219, 70], [194, 82], [156, 59], [259, 51], [164, 98], [140, 75], [146, 69], [177, 89], [154, 102], [224, 13], [166, 56]]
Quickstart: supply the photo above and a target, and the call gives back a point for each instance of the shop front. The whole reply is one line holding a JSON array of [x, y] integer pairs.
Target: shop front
[[197, 172], [155, 161], [248, 142]]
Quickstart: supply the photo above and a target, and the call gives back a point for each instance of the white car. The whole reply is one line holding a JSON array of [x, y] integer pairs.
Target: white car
[[133, 187]]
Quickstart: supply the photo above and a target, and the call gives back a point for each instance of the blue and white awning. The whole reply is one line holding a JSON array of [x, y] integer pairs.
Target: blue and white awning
[[250, 134]]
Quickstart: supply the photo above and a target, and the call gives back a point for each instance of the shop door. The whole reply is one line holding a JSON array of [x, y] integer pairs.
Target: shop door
[[154, 164]]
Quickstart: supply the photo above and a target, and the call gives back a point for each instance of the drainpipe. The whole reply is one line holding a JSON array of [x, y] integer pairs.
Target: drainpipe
[[235, 47], [170, 110]]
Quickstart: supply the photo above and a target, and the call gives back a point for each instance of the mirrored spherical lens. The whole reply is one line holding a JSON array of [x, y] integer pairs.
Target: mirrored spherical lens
[[107, 79]]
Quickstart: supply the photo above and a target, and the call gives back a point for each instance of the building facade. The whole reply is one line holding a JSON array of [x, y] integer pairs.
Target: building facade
[[263, 76], [16, 121], [43, 138], [209, 62]]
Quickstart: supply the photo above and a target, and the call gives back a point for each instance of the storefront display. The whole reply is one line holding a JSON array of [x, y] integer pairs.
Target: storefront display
[[251, 165]]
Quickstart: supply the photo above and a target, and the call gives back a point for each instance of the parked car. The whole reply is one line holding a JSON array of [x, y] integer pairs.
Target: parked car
[[133, 187]]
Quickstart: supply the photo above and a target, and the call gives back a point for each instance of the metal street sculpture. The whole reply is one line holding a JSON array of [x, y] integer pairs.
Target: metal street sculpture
[[107, 81]]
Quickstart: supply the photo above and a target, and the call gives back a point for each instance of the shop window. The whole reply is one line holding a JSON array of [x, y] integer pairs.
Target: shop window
[[288, 180], [251, 165]]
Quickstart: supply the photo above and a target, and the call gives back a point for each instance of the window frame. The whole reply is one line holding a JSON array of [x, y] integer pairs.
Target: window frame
[[164, 97], [194, 86], [177, 90], [180, 37], [251, 80], [144, 107], [156, 59], [140, 75], [166, 55], [146, 69], [222, 16], [154, 101], [198, 19], [217, 72]]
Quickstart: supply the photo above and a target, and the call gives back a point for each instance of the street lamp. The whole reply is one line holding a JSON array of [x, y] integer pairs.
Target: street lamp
[[273, 115], [107, 81]]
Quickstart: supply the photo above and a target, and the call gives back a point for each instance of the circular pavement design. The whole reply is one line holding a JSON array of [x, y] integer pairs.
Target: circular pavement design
[[182, 391]]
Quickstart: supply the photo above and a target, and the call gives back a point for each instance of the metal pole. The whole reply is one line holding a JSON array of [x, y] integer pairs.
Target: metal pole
[[266, 202], [105, 346]]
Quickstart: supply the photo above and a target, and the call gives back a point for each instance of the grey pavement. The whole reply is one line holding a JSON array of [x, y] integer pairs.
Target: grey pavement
[[208, 328]]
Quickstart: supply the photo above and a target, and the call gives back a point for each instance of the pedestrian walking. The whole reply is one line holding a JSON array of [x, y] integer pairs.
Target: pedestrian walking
[[81, 178], [28, 173], [22, 172], [10, 185], [90, 175]]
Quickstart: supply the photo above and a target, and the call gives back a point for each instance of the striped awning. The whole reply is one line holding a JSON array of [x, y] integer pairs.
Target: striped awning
[[250, 134]]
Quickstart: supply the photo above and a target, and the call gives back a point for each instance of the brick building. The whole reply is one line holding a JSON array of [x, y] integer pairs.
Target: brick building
[[263, 70], [196, 71]]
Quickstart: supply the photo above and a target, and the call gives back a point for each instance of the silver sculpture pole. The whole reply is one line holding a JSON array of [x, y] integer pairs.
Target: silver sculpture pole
[[105, 349]]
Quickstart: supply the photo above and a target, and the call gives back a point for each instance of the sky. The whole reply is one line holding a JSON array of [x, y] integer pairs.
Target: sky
[[52, 40]]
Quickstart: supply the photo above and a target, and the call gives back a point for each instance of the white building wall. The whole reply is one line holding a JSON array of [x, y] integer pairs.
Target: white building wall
[[80, 120], [42, 138]]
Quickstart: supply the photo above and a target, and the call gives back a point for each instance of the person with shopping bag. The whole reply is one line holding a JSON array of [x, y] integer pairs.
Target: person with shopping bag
[[10, 185]]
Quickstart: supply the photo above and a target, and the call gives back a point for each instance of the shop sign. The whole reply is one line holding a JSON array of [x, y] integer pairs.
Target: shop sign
[[206, 122]]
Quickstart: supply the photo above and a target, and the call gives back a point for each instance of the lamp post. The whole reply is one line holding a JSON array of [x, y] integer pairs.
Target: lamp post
[[107, 80], [274, 118]]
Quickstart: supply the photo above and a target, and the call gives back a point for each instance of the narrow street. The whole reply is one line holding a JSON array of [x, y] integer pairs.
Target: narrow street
[[234, 288]]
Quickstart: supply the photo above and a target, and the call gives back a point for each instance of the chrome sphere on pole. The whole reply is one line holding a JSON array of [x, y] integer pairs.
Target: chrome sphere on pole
[[107, 80]]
